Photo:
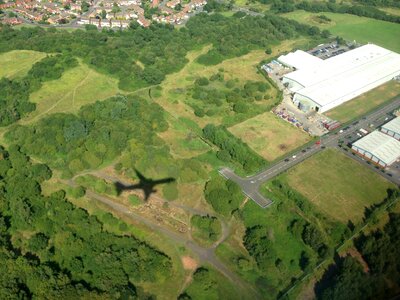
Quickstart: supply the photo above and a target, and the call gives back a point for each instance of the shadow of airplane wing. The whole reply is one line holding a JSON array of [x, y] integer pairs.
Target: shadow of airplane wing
[[140, 176], [120, 187], [165, 180]]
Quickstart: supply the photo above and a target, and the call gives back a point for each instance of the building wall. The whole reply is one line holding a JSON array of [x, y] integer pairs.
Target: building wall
[[375, 160], [293, 86], [297, 98], [391, 133]]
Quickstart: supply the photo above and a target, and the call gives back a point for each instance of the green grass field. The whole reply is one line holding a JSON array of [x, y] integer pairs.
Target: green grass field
[[365, 103], [339, 186], [76, 87], [351, 27], [270, 136], [17, 63]]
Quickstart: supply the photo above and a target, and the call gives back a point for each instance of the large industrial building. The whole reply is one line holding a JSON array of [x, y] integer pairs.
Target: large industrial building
[[392, 128], [378, 147], [321, 85]]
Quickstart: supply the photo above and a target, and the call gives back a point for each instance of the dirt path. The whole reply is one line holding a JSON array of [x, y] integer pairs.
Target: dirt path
[[205, 255]]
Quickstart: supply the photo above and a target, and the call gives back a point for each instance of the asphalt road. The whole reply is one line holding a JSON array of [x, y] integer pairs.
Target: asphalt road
[[251, 185]]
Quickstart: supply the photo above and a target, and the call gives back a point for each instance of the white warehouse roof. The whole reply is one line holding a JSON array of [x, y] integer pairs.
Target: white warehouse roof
[[380, 145], [299, 60], [345, 76], [393, 125], [337, 64]]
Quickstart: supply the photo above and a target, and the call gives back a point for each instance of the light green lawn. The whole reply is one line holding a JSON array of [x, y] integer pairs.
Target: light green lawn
[[365, 103], [77, 87], [17, 63], [339, 186], [270, 136], [351, 27]]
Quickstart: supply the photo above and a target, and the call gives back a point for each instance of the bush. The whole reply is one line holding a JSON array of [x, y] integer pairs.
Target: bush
[[170, 191], [240, 107], [202, 81], [78, 192]]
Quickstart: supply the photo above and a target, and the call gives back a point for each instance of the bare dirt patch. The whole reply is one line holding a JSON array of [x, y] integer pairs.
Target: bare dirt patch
[[189, 263]]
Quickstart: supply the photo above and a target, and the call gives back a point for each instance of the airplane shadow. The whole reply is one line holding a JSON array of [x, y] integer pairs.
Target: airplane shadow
[[145, 184]]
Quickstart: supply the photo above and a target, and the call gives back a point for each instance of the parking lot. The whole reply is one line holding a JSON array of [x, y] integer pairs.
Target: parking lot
[[330, 50]]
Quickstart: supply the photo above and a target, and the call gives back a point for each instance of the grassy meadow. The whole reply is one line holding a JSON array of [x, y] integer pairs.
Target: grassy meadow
[[17, 63], [77, 87], [339, 186], [269, 136], [365, 103], [350, 27], [173, 97]]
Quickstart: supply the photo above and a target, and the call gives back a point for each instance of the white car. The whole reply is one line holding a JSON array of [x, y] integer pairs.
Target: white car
[[294, 156]]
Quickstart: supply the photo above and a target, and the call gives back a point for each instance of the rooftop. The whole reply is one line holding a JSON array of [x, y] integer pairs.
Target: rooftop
[[338, 64], [380, 145], [299, 60], [393, 125]]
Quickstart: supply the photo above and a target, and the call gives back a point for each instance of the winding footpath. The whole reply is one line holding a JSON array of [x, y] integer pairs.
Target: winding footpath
[[206, 255]]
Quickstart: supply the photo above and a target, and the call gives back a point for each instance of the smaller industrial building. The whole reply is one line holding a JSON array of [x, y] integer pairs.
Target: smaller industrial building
[[299, 60], [378, 147], [392, 128]]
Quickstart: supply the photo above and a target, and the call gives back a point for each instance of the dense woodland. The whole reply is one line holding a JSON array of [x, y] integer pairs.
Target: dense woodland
[[96, 135], [160, 48], [52, 249], [379, 278]]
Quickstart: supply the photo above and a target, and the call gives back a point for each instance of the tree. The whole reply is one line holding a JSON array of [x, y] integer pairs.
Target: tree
[[85, 6]]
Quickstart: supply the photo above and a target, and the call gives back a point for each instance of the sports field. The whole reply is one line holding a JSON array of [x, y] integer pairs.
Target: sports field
[[270, 136], [365, 103], [339, 186], [76, 87], [18, 62], [351, 27]]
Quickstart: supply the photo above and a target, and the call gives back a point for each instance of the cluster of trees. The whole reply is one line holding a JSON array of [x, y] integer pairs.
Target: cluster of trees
[[14, 100], [94, 183], [14, 93], [233, 149], [50, 248], [380, 3], [224, 196], [207, 228], [258, 243], [233, 37], [97, 134], [52, 67], [218, 6], [212, 93], [204, 285], [379, 279], [358, 10], [161, 49]]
